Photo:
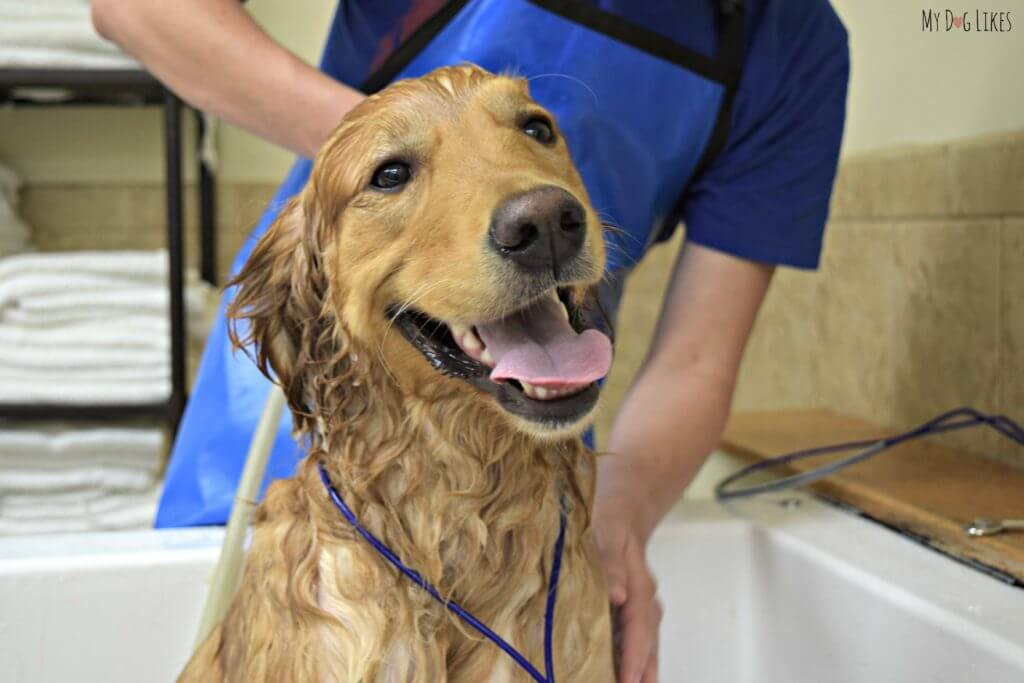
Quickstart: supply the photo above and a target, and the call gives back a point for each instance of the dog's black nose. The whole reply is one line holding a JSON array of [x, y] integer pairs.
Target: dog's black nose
[[539, 230]]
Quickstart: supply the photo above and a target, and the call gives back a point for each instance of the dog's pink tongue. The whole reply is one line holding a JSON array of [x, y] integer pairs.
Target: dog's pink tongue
[[537, 345]]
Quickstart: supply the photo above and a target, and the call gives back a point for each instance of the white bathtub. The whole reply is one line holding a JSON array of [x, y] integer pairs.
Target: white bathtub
[[765, 593]]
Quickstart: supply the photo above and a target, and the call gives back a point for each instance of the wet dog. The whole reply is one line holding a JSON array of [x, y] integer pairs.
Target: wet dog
[[421, 304]]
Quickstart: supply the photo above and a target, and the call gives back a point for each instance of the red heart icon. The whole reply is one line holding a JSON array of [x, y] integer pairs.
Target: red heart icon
[[958, 22]]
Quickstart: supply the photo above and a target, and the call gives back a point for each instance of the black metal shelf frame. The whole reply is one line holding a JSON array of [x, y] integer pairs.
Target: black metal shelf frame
[[130, 87]]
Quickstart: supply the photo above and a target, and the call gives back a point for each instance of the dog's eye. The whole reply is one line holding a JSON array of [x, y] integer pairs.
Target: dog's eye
[[540, 130], [391, 175]]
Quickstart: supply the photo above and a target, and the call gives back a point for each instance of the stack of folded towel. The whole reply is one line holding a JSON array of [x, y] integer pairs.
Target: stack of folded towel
[[84, 328], [66, 479], [14, 233], [88, 327], [54, 34]]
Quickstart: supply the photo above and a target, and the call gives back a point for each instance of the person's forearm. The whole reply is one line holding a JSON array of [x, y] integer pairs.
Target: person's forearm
[[212, 54], [664, 430], [676, 409]]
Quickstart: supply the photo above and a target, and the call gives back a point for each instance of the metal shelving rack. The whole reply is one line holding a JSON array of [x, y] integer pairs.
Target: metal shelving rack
[[130, 88]]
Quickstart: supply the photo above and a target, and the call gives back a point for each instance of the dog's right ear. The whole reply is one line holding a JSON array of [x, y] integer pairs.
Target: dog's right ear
[[277, 313]]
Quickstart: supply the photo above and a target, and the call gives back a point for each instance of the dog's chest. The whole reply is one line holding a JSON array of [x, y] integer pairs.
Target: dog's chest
[[396, 633]]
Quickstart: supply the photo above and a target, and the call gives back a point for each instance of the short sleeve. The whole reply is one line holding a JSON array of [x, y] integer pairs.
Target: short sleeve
[[765, 197]]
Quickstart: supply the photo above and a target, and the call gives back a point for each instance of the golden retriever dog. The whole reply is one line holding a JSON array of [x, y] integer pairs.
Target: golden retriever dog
[[421, 303]]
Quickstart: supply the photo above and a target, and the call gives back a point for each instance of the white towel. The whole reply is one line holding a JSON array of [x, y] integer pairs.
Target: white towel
[[145, 264], [133, 512], [55, 33], [56, 288], [90, 327], [29, 358], [153, 373], [85, 305], [70, 497], [125, 360], [42, 506], [61, 445], [28, 287], [58, 9], [126, 332], [99, 476], [60, 58], [65, 477], [86, 392], [74, 33]]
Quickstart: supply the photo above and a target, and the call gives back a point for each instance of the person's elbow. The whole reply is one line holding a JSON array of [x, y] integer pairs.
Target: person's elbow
[[110, 17]]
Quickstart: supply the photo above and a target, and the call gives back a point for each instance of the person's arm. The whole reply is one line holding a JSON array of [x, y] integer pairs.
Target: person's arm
[[212, 54], [670, 420]]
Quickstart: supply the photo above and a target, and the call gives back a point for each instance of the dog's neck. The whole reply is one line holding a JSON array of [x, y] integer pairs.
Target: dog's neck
[[448, 484]]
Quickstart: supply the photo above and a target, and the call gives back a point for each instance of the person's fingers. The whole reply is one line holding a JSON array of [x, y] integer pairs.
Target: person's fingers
[[638, 638], [612, 551], [615, 575], [638, 618], [651, 671]]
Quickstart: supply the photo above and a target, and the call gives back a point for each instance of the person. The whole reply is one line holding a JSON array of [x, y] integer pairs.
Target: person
[[728, 115]]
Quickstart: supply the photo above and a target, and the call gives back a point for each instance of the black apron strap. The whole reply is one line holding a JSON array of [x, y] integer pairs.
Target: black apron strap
[[731, 53], [724, 71], [643, 39], [412, 46]]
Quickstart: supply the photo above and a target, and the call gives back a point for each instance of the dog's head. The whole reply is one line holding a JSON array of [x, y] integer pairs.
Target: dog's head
[[446, 235]]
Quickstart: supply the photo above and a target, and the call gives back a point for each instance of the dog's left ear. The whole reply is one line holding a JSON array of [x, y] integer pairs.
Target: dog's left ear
[[278, 313]]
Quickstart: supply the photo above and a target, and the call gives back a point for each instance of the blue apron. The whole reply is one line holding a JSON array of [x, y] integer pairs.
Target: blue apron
[[640, 113]]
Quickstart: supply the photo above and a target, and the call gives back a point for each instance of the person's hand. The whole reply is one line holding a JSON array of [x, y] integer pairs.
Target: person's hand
[[620, 534]]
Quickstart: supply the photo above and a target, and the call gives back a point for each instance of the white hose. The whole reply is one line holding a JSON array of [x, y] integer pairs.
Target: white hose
[[232, 554]]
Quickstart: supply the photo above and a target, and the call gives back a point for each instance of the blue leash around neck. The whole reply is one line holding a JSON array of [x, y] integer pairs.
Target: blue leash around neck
[[462, 613]]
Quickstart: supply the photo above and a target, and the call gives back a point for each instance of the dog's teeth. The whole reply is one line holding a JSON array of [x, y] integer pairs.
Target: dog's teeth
[[458, 330], [561, 304], [470, 341], [487, 358], [542, 393], [527, 388]]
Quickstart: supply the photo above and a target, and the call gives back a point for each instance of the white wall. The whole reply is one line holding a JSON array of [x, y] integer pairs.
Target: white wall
[[909, 86]]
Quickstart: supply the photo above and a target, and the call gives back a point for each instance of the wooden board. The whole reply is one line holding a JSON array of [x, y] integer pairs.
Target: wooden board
[[921, 487]]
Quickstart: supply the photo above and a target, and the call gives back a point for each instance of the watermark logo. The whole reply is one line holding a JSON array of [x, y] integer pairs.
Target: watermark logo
[[976, 21]]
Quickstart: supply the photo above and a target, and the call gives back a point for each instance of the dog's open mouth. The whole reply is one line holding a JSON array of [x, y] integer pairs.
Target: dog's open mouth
[[542, 362]]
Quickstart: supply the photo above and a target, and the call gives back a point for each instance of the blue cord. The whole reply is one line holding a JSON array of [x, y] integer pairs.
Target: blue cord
[[462, 613], [960, 418], [549, 611]]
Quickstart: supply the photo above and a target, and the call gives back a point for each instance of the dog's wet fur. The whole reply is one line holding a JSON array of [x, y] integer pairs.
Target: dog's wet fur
[[460, 478]]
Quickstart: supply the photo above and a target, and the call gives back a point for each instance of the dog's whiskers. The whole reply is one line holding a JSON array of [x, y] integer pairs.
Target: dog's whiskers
[[567, 77], [402, 307]]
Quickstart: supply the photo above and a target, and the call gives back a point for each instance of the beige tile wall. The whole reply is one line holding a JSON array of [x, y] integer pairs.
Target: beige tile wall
[[918, 305]]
